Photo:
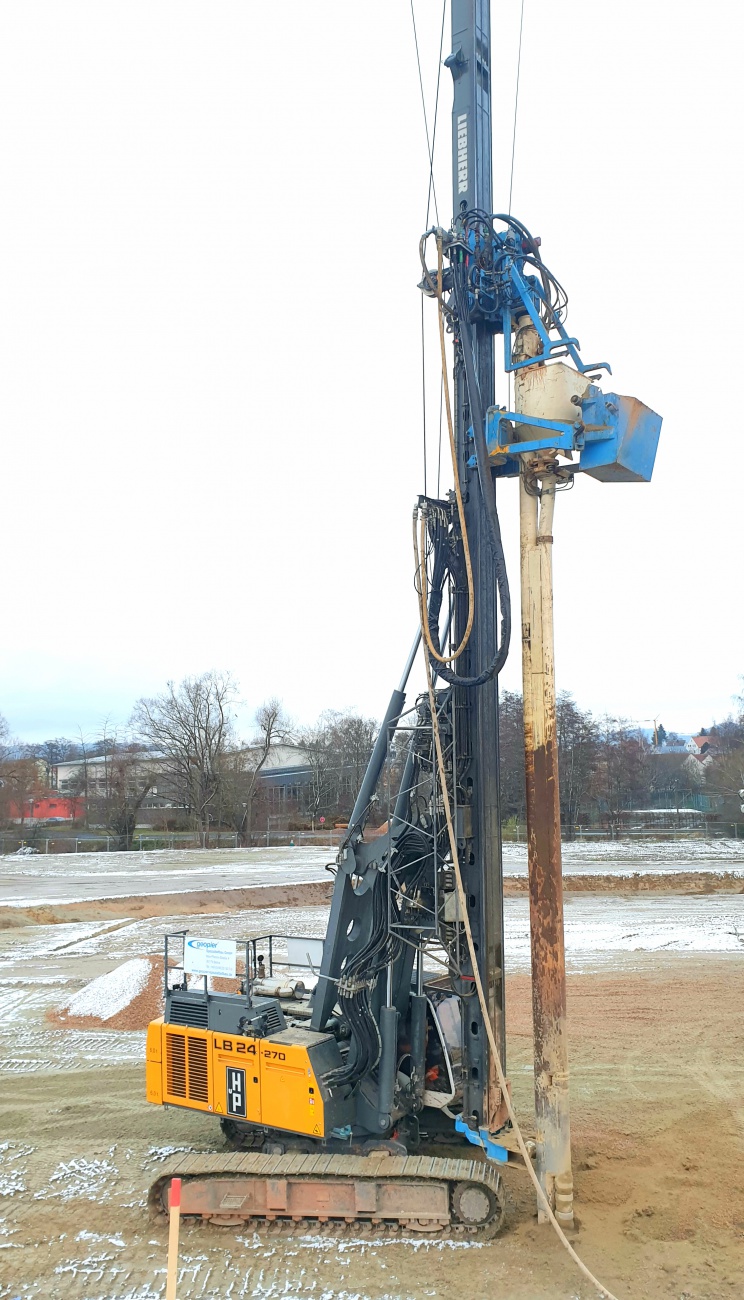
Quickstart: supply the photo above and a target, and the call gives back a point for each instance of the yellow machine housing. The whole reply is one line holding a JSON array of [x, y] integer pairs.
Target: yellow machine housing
[[273, 1082]]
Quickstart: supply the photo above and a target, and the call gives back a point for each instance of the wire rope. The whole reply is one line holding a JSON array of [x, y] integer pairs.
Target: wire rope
[[516, 105], [429, 140], [423, 388], [431, 191], [436, 118], [419, 526], [495, 1054], [439, 441]]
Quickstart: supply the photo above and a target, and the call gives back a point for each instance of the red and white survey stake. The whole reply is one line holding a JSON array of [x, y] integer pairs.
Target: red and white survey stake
[[175, 1221]]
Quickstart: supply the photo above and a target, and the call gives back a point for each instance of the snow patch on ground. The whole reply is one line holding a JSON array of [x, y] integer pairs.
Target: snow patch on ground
[[627, 857], [109, 994], [90, 1179], [35, 1049], [79, 877], [600, 929], [368, 1245], [158, 1154], [12, 1167], [96, 1238]]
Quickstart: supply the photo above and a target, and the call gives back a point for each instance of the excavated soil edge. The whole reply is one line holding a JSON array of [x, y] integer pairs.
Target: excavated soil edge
[[316, 892], [142, 906], [641, 882]]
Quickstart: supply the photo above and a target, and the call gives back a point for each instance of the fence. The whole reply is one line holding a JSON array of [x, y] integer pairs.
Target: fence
[[35, 840], [706, 830]]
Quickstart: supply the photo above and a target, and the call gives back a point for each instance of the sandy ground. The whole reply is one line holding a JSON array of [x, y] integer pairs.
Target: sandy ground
[[656, 1007]]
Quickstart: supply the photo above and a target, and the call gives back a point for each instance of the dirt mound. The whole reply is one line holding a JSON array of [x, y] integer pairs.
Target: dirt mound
[[137, 1014], [307, 893], [639, 882], [317, 892]]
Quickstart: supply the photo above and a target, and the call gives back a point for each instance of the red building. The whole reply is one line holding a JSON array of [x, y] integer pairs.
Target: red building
[[49, 808]]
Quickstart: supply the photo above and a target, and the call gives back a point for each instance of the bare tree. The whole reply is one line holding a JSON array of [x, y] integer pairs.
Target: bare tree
[[337, 749], [675, 776], [191, 727], [321, 792], [20, 787], [4, 790], [726, 777], [241, 767], [116, 798], [351, 738], [622, 775], [728, 736], [511, 754], [51, 752], [578, 757], [77, 785]]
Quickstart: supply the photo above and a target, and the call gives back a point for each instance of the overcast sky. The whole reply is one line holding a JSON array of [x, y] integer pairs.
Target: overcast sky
[[210, 347]]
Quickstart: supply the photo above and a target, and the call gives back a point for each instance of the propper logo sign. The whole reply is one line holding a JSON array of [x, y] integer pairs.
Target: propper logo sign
[[210, 956], [462, 153]]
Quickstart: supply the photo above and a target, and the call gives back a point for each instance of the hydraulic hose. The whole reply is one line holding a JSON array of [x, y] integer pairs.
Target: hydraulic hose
[[485, 481]]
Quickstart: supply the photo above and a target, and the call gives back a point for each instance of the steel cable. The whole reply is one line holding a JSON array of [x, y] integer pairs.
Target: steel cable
[[495, 1054], [419, 551]]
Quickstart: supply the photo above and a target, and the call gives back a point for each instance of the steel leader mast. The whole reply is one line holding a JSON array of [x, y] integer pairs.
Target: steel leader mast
[[491, 281], [476, 709]]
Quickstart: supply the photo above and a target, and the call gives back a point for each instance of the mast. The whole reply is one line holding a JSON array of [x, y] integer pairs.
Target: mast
[[476, 710]]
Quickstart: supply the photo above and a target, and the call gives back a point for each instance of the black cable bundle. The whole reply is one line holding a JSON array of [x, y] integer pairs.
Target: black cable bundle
[[553, 301], [357, 983], [447, 559]]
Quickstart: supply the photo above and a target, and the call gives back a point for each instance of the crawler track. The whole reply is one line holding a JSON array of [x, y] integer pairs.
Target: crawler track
[[411, 1195]]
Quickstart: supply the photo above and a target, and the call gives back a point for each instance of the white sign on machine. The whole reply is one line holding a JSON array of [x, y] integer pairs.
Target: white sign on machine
[[210, 957]]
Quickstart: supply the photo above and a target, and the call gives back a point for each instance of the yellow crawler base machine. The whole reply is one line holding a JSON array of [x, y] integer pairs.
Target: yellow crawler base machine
[[289, 1103]]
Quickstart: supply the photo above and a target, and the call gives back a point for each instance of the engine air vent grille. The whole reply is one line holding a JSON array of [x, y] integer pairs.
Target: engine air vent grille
[[175, 1056], [274, 1019], [185, 1012], [198, 1079]]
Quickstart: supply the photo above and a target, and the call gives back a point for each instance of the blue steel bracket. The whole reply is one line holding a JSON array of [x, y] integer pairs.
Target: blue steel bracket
[[565, 436], [480, 1138], [551, 348], [616, 438]]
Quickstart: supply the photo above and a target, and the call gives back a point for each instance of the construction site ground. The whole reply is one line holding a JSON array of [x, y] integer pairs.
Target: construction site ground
[[655, 951]]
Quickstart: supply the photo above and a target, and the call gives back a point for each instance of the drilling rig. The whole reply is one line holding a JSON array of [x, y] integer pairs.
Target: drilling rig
[[333, 1100]]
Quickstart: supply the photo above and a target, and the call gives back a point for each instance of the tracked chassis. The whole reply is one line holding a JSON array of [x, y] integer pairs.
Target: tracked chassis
[[411, 1194]]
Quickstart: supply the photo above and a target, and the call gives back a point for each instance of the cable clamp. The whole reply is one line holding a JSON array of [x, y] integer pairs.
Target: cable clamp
[[348, 988]]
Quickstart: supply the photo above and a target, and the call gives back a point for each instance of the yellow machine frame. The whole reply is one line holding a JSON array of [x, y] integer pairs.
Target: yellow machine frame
[[266, 1081]]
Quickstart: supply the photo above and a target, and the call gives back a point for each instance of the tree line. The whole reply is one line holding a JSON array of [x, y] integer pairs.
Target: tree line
[[608, 766], [182, 751]]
